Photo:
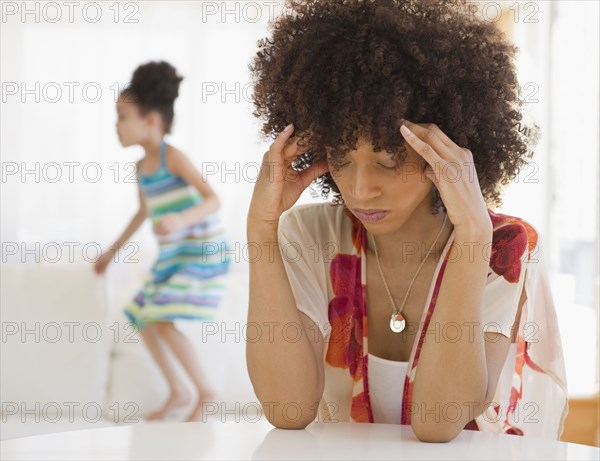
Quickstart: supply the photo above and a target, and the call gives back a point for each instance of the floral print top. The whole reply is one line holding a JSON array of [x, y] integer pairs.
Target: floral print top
[[323, 248]]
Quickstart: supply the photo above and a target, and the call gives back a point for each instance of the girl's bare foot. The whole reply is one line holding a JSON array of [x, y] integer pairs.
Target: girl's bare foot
[[205, 397], [178, 398]]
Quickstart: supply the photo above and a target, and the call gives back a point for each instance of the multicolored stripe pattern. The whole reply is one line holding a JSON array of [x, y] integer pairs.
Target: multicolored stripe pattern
[[188, 280]]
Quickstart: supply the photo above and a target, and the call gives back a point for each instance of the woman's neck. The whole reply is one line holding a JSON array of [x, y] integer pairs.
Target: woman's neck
[[411, 242]]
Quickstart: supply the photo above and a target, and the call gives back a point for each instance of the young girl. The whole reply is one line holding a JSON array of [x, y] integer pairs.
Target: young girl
[[420, 305], [188, 279]]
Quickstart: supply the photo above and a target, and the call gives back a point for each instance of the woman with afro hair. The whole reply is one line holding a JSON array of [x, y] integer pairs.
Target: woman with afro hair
[[409, 111]]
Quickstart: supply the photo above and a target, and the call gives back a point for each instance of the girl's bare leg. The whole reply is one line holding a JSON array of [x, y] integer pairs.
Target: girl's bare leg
[[180, 395], [184, 350]]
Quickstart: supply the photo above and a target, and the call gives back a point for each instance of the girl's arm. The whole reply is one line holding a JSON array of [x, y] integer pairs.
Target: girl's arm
[[180, 165], [135, 223]]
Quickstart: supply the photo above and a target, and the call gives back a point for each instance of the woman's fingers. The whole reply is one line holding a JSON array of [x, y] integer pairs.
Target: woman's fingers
[[313, 172], [440, 134], [286, 148], [293, 149], [276, 150], [424, 142]]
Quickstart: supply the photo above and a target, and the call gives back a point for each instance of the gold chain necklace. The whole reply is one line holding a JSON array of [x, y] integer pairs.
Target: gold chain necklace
[[397, 320]]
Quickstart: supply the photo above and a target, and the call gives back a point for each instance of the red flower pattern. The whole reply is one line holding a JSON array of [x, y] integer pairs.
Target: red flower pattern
[[510, 238], [346, 315]]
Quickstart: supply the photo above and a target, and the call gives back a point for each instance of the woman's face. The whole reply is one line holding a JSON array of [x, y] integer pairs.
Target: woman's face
[[368, 180], [132, 127]]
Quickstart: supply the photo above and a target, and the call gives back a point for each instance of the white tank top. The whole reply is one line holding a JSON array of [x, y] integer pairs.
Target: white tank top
[[386, 387]]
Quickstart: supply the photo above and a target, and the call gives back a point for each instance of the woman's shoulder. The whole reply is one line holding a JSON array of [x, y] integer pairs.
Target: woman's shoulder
[[323, 210], [515, 241], [506, 227], [318, 220], [315, 213]]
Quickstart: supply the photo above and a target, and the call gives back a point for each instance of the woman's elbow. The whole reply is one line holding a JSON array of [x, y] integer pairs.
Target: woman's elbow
[[282, 417], [285, 423], [434, 432]]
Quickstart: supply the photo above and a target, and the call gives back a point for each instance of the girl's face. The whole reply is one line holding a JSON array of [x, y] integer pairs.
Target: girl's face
[[368, 180], [132, 127]]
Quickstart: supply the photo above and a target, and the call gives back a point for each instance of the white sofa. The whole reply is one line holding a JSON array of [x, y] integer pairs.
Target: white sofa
[[68, 362]]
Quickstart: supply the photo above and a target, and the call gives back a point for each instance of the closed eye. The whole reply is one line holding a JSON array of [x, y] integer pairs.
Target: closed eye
[[380, 164]]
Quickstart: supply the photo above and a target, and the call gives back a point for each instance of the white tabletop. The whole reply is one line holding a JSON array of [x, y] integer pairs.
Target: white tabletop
[[245, 440]]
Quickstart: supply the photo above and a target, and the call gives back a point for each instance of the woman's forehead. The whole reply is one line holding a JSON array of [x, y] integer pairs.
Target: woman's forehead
[[364, 146]]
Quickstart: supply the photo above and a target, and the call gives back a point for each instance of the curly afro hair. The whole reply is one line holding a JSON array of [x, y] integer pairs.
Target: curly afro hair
[[343, 69], [155, 86]]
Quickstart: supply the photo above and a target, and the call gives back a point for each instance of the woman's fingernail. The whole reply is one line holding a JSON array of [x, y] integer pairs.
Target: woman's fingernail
[[405, 130], [287, 128]]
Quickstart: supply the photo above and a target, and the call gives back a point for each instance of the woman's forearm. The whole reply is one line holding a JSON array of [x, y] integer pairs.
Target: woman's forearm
[[283, 370], [452, 372]]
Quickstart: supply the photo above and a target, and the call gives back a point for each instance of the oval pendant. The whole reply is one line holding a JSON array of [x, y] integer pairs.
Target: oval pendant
[[397, 323]]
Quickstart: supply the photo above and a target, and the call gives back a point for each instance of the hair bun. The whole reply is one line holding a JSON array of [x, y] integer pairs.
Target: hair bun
[[155, 83]]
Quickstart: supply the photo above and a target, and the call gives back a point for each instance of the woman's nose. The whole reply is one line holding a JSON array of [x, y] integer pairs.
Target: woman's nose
[[364, 186]]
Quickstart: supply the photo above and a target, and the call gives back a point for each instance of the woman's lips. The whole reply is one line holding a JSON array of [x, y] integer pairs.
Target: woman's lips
[[371, 216]]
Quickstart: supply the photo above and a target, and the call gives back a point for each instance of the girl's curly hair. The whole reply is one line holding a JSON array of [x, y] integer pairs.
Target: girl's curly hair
[[340, 69], [155, 86]]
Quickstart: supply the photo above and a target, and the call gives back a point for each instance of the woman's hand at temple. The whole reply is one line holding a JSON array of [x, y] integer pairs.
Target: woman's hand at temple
[[452, 169], [272, 360], [278, 186]]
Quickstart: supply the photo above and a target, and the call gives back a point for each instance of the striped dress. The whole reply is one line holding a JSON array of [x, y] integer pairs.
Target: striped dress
[[188, 279]]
